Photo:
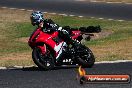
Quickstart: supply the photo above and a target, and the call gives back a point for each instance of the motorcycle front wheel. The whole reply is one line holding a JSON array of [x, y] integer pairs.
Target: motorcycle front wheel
[[85, 57], [45, 62]]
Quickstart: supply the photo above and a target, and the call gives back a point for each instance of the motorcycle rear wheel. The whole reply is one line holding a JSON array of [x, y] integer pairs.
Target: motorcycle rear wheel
[[86, 58], [45, 62]]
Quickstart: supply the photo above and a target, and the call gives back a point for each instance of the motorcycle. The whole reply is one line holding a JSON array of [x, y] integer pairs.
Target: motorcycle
[[49, 50]]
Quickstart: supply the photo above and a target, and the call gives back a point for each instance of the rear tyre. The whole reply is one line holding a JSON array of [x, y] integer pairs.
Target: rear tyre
[[85, 57], [45, 62]]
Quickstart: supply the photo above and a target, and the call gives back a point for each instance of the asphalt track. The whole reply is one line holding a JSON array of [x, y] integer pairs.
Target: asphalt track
[[61, 77], [103, 10]]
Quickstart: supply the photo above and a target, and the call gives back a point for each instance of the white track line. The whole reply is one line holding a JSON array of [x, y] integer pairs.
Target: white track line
[[102, 62], [109, 2], [117, 61]]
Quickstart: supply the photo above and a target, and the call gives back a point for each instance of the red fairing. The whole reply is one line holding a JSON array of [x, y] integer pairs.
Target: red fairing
[[39, 36], [47, 38], [42, 39], [31, 41]]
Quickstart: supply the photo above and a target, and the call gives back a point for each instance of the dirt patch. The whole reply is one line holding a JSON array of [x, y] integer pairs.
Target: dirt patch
[[115, 50], [17, 56], [102, 34], [23, 39], [94, 36]]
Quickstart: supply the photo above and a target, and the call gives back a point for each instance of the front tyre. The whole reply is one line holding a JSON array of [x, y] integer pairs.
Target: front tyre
[[85, 57], [45, 62]]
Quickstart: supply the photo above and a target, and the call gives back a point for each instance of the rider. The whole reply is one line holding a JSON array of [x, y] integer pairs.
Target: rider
[[48, 25]]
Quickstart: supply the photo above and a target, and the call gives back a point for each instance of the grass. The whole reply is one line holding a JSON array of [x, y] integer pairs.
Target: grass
[[11, 63], [15, 24]]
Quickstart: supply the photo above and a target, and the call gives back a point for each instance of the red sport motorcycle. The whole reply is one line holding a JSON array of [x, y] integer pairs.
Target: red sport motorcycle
[[49, 50]]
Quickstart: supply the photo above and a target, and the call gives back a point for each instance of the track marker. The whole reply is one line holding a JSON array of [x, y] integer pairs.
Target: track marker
[[80, 16], [101, 18], [44, 12], [96, 1], [92, 17], [63, 14], [120, 20], [110, 19], [18, 66], [80, 0], [3, 7], [22, 9], [29, 66], [71, 15], [52, 13]]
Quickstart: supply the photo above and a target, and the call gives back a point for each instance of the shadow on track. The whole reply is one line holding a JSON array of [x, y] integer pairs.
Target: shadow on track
[[38, 69]]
